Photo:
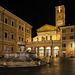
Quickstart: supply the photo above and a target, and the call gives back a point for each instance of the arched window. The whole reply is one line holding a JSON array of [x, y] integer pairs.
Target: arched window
[[12, 49], [42, 38], [37, 39]]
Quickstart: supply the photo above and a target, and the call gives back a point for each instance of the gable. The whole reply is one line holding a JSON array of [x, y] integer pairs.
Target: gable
[[47, 28]]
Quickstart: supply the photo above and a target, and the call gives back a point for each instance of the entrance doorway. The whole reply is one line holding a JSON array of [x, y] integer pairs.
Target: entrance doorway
[[64, 54], [56, 51]]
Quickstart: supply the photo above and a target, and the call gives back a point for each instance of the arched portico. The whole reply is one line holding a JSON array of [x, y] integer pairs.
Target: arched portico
[[41, 51], [56, 51], [45, 51], [48, 51]]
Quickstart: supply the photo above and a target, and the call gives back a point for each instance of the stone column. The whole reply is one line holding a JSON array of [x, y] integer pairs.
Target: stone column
[[44, 51], [52, 51], [34, 48], [31, 48], [38, 51]]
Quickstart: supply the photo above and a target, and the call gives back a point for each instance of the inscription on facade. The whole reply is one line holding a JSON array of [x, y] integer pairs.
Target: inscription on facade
[[47, 33]]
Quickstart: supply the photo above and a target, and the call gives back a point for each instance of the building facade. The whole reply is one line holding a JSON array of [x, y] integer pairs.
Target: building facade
[[68, 41], [47, 42], [14, 32], [55, 41]]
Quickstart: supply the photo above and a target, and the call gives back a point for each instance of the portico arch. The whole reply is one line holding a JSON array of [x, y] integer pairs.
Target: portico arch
[[56, 51], [41, 51], [48, 51]]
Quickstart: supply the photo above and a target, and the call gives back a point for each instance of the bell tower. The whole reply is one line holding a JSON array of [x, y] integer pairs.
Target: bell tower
[[60, 15]]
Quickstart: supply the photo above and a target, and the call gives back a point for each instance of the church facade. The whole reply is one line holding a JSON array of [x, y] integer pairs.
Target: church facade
[[55, 41]]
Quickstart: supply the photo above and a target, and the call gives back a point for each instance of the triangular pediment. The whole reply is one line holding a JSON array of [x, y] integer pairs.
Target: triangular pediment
[[47, 27]]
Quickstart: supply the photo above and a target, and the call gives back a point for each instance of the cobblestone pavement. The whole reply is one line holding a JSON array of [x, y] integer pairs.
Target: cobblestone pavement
[[59, 66]]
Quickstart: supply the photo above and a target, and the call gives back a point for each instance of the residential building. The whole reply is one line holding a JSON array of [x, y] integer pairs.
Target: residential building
[[14, 32]]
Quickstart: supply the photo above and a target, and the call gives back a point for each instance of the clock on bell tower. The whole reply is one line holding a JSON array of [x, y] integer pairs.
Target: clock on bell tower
[[60, 15]]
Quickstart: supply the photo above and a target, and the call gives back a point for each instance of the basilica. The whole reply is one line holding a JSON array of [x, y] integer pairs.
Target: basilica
[[54, 41]]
